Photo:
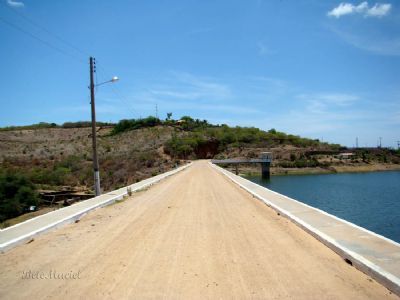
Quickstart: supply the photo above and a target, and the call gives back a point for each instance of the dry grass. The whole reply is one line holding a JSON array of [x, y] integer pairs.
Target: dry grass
[[124, 159]]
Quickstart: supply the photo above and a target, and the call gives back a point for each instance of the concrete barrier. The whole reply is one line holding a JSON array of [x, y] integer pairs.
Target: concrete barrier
[[371, 253], [25, 231]]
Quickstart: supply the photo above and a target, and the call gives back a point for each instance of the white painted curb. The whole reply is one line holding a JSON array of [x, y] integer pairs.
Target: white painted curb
[[114, 196], [387, 279]]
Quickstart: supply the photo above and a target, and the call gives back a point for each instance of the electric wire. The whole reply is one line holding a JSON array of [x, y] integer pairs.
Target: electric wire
[[16, 27], [58, 49], [116, 92], [34, 23]]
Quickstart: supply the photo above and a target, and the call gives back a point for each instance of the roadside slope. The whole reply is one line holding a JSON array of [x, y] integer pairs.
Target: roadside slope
[[194, 235]]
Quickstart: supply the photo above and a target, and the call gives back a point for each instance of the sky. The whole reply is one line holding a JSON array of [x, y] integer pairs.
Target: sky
[[320, 69]]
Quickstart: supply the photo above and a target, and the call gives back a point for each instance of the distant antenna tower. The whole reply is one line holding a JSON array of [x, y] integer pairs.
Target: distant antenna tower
[[357, 142], [156, 111], [380, 142]]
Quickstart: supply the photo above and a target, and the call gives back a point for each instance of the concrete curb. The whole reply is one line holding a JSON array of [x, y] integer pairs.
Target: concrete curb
[[110, 198], [387, 279]]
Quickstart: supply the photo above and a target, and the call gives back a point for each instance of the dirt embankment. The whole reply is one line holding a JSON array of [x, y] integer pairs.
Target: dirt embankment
[[57, 157]]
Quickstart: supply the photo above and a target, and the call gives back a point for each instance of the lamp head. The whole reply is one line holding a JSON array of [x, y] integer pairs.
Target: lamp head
[[114, 79]]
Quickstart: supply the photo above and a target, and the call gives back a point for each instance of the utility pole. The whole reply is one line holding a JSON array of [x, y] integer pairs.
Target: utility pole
[[398, 145], [94, 145], [380, 142], [156, 111], [357, 142]]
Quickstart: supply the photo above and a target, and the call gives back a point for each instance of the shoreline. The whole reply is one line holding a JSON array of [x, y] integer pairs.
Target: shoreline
[[348, 240], [278, 171]]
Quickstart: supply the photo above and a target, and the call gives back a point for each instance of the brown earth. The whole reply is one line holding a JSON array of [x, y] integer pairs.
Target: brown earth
[[195, 235], [64, 154], [124, 158]]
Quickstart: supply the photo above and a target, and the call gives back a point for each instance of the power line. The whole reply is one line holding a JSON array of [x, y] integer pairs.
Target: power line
[[50, 45], [34, 23], [115, 90], [40, 40], [116, 93]]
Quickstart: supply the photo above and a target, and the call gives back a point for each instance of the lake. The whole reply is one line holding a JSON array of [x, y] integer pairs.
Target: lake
[[370, 200]]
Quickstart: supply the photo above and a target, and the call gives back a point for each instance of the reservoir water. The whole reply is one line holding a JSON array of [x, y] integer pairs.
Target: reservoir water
[[370, 200]]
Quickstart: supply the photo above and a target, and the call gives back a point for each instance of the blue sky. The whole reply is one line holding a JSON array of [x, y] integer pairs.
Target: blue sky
[[320, 69]]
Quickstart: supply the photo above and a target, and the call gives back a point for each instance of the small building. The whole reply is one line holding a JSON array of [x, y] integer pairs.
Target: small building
[[345, 155], [266, 155]]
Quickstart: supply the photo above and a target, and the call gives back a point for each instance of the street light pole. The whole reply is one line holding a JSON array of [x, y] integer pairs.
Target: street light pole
[[94, 144]]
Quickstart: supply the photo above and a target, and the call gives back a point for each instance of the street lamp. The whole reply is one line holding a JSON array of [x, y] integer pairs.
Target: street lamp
[[94, 144], [114, 79]]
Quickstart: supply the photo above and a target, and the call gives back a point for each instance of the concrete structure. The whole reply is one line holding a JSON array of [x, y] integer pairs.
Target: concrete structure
[[25, 231], [369, 252], [264, 160], [347, 155]]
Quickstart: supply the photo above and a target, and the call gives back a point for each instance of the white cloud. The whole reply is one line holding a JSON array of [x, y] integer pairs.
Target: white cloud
[[15, 4], [378, 10], [323, 103], [335, 117], [375, 44], [343, 9], [185, 95], [200, 87], [338, 99]]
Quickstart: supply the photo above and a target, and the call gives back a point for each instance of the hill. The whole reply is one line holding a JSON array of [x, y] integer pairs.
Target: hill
[[52, 155], [55, 157]]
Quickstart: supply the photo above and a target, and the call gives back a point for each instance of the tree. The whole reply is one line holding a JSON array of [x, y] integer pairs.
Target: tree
[[169, 115], [17, 193]]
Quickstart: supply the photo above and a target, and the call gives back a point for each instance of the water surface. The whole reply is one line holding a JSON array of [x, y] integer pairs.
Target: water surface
[[370, 200]]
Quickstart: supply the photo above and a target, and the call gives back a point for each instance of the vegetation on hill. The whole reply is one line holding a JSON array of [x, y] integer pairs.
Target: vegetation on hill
[[43, 125], [199, 139], [51, 156], [132, 124], [57, 157], [17, 194]]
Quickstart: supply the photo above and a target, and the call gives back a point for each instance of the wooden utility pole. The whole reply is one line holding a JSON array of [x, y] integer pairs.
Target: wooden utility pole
[[97, 189]]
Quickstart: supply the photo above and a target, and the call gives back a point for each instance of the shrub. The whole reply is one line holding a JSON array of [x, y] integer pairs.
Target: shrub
[[17, 193], [133, 124]]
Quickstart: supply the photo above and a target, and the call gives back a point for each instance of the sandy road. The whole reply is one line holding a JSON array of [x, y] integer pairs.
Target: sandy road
[[194, 235]]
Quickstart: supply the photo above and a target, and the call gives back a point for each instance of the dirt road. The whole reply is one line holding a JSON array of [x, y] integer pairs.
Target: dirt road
[[194, 235]]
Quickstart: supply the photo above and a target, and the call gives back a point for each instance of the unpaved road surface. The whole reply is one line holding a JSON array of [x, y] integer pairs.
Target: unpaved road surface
[[195, 235]]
